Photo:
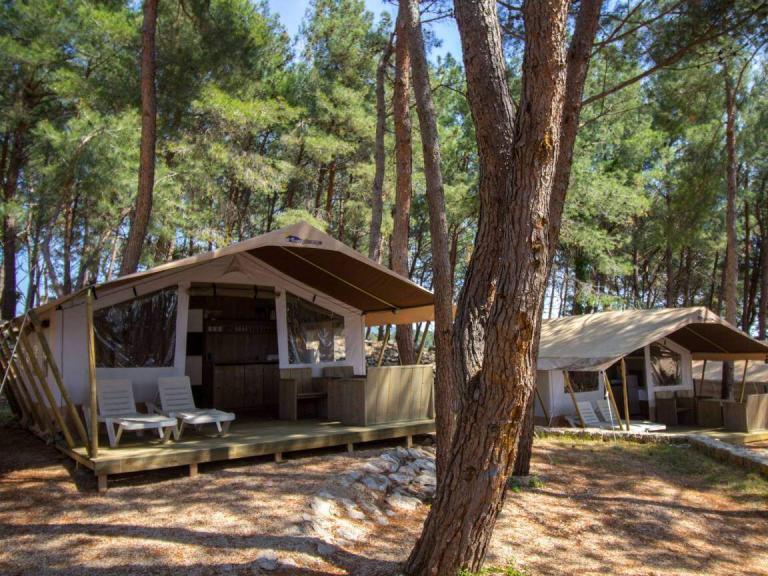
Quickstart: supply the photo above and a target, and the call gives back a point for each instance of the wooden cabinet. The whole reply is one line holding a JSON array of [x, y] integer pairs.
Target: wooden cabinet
[[246, 387]]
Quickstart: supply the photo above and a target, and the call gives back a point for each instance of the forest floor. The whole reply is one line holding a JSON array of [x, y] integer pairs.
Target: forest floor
[[593, 508]]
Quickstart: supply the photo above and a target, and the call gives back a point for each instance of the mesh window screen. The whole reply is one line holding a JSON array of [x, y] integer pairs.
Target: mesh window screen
[[314, 333], [139, 333], [584, 381], [666, 365]]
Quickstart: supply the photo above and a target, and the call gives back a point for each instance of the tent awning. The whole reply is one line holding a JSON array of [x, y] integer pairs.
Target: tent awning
[[594, 342]]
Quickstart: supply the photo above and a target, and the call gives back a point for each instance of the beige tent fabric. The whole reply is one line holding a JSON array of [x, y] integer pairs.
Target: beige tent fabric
[[757, 372], [317, 260], [596, 341]]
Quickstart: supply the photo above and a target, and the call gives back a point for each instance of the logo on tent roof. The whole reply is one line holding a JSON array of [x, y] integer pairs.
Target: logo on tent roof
[[303, 241]]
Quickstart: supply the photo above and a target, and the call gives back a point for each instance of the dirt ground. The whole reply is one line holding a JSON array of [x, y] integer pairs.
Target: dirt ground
[[594, 509]]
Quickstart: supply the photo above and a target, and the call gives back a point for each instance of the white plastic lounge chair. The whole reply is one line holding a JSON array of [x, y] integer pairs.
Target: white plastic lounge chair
[[605, 411], [588, 415], [117, 410], [176, 401]]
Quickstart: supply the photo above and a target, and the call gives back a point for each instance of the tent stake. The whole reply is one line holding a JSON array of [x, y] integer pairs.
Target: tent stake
[[93, 448], [573, 397], [38, 328], [625, 391]]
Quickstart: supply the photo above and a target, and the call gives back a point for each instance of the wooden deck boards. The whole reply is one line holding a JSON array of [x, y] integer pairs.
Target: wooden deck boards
[[247, 438]]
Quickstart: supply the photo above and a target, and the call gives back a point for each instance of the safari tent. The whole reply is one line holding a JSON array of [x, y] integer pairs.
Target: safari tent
[[271, 329], [647, 358]]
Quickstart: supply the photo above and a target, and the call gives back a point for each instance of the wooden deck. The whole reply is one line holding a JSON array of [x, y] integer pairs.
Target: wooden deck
[[247, 438]]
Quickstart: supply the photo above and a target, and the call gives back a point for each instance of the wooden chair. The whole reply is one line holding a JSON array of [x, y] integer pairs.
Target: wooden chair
[[297, 387]]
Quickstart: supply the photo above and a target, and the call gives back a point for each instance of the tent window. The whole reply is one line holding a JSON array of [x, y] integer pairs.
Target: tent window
[[314, 333], [139, 333], [584, 381], [666, 365]]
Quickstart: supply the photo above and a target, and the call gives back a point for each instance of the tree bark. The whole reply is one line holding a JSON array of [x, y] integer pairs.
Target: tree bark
[[403, 169], [137, 232], [468, 500], [731, 270], [377, 194], [762, 314], [10, 228], [522, 465], [445, 389]]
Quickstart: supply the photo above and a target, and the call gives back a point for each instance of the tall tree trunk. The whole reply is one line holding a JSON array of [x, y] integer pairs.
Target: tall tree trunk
[[377, 194], [731, 272], [468, 500], [524, 453], [403, 169], [762, 313], [137, 231], [330, 190], [15, 162], [445, 389]]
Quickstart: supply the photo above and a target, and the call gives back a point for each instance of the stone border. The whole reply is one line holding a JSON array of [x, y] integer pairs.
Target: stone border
[[713, 447]]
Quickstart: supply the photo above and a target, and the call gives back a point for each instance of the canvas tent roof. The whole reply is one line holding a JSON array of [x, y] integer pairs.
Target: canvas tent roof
[[318, 261], [596, 341]]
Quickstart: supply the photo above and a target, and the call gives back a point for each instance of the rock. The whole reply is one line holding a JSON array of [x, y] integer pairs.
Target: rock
[[403, 453], [323, 506], [352, 509], [373, 467], [409, 470], [402, 501], [400, 478], [351, 532], [377, 482], [325, 549], [268, 561], [417, 453], [424, 464]]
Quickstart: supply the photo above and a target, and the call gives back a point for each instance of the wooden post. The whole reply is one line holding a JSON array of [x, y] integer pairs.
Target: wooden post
[[383, 346], [573, 397], [93, 448], [701, 381], [612, 399], [32, 361], [278, 457], [743, 381], [350, 447], [54, 368], [625, 391], [45, 421], [409, 441], [422, 342], [19, 390], [543, 408], [193, 470], [101, 480]]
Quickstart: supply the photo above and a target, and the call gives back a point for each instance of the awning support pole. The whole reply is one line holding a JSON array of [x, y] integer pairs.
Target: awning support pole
[[609, 389], [701, 381], [20, 392], [93, 447], [743, 381], [567, 380], [383, 347], [423, 342], [541, 402], [23, 368], [625, 392]]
